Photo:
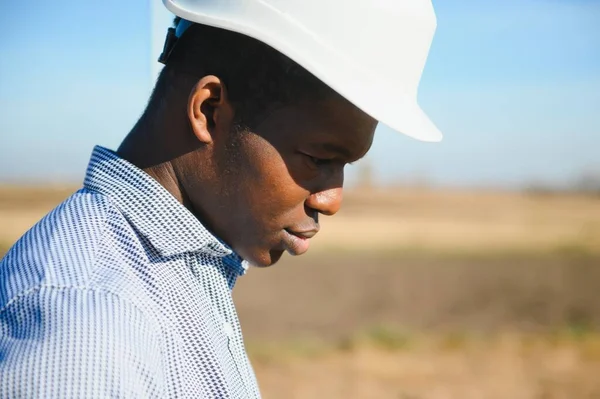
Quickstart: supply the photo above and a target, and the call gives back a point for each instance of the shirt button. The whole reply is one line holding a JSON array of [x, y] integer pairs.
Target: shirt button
[[228, 329]]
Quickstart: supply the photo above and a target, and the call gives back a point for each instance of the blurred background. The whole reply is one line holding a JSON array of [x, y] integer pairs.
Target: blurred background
[[464, 269]]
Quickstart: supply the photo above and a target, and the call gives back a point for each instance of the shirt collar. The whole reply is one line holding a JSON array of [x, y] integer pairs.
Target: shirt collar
[[168, 225]]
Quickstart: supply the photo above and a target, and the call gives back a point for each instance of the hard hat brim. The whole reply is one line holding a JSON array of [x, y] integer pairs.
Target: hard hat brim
[[374, 95]]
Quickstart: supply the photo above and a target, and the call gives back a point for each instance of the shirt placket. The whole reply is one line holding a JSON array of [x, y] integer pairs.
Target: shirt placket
[[232, 331]]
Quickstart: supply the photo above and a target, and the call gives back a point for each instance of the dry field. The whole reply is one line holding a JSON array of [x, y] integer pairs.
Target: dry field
[[504, 367], [419, 294], [425, 327], [448, 222], [458, 222]]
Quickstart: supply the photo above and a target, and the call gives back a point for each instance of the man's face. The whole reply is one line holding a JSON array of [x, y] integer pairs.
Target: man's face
[[275, 181]]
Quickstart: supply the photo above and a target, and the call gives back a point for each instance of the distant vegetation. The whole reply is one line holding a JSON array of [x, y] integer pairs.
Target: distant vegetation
[[585, 184]]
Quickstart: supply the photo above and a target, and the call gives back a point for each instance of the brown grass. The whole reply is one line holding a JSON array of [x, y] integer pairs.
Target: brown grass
[[507, 366], [21, 207], [447, 222], [463, 222], [471, 287]]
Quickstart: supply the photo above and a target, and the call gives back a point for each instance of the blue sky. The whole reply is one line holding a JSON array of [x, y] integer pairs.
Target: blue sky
[[514, 86]]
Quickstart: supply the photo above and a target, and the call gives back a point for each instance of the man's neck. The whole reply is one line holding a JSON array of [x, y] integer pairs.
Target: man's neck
[[145, 148]]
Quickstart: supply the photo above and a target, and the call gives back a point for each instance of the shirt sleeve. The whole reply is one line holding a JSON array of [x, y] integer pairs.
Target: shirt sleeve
[[77, 343]]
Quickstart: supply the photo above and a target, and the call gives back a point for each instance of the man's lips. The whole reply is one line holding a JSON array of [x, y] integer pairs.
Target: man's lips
[[297, 241], [304, 234]]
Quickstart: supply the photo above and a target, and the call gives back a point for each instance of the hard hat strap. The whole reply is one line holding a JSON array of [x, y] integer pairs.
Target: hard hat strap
[[171, 40]]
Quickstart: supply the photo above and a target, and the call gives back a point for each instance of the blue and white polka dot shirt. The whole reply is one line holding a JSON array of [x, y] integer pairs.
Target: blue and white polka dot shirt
[[121, 292]]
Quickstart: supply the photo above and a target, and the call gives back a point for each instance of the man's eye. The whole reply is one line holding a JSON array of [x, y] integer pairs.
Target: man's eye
[[319, 161]]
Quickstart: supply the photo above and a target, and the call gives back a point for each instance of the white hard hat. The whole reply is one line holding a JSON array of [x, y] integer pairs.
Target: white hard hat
[[372, 52]]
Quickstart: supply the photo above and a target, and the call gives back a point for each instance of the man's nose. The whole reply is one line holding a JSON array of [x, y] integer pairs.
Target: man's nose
[[327, 202]]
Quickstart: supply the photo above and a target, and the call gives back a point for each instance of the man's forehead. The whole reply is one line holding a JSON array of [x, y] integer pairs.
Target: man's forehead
[[349, 134], [336, 125]]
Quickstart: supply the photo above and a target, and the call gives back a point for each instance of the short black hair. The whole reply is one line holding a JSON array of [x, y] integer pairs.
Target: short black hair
[[258, 77]]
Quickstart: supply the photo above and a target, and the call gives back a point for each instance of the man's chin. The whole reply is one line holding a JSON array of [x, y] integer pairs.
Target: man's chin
[[263, 258]]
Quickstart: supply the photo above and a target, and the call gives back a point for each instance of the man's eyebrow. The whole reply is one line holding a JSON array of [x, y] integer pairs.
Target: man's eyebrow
[[341, 150]]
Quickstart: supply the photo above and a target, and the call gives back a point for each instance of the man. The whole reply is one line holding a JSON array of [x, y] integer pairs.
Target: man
[[124, 290]]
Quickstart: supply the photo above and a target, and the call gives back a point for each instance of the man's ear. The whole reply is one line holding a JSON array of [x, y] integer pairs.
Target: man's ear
[[209, 109]]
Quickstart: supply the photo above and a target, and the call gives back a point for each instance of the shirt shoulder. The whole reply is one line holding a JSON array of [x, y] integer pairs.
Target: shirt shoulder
[[78, 342], [63, 248]]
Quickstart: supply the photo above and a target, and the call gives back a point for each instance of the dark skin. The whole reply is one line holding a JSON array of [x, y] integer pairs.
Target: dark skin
[[261, 191]]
